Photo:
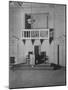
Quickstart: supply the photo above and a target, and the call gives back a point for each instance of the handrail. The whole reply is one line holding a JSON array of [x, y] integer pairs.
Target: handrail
[[35, 34]]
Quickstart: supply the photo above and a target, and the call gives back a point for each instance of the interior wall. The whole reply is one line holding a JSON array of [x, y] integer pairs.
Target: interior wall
[[60, 32], [39, 17], [16, 23], [56, 20]]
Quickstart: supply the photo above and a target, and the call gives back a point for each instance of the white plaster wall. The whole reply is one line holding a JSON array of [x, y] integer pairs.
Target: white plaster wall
[[60, 31], [16, 23], [45, 47], [28, 47]]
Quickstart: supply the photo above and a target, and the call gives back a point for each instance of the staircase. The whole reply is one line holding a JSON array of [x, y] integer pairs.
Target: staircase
[[29, 67]]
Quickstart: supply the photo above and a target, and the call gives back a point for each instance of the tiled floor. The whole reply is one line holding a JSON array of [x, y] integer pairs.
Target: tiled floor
[[33, 78]]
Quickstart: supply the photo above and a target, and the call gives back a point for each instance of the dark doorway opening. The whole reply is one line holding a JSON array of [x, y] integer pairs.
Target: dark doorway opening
[[36, 51]]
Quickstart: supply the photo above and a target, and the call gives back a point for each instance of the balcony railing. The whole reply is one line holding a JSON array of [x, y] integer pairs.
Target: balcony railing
[[35, 34]]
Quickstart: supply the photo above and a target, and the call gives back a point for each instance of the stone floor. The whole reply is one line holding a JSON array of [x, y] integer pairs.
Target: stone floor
[[21, 78]]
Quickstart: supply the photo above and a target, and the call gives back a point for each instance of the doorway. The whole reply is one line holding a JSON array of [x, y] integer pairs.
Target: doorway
[[36, 51]]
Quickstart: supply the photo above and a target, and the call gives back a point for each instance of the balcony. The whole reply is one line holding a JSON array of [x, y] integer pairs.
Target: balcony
[[35, 34]]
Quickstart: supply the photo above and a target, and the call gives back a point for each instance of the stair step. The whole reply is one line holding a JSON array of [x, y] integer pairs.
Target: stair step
[[47, 68], [29, 67]]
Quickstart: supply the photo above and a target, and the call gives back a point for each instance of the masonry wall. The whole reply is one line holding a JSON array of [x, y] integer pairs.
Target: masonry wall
[[56, 20]]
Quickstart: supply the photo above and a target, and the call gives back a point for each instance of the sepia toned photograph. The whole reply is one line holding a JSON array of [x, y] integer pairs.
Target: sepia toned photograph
[[37, 44]]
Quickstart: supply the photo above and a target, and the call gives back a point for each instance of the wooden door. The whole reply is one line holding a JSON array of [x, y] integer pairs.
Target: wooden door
[[36, 51]]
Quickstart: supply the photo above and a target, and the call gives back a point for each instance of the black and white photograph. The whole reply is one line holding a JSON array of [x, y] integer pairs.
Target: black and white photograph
[[37, 44]]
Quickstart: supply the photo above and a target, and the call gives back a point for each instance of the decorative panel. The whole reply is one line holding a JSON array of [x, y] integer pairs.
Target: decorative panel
[[43, 33], [35, 34]]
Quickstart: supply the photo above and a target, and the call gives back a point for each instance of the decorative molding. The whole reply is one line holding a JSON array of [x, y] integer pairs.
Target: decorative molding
[[41, 40], [33, 40], [24, 41]]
